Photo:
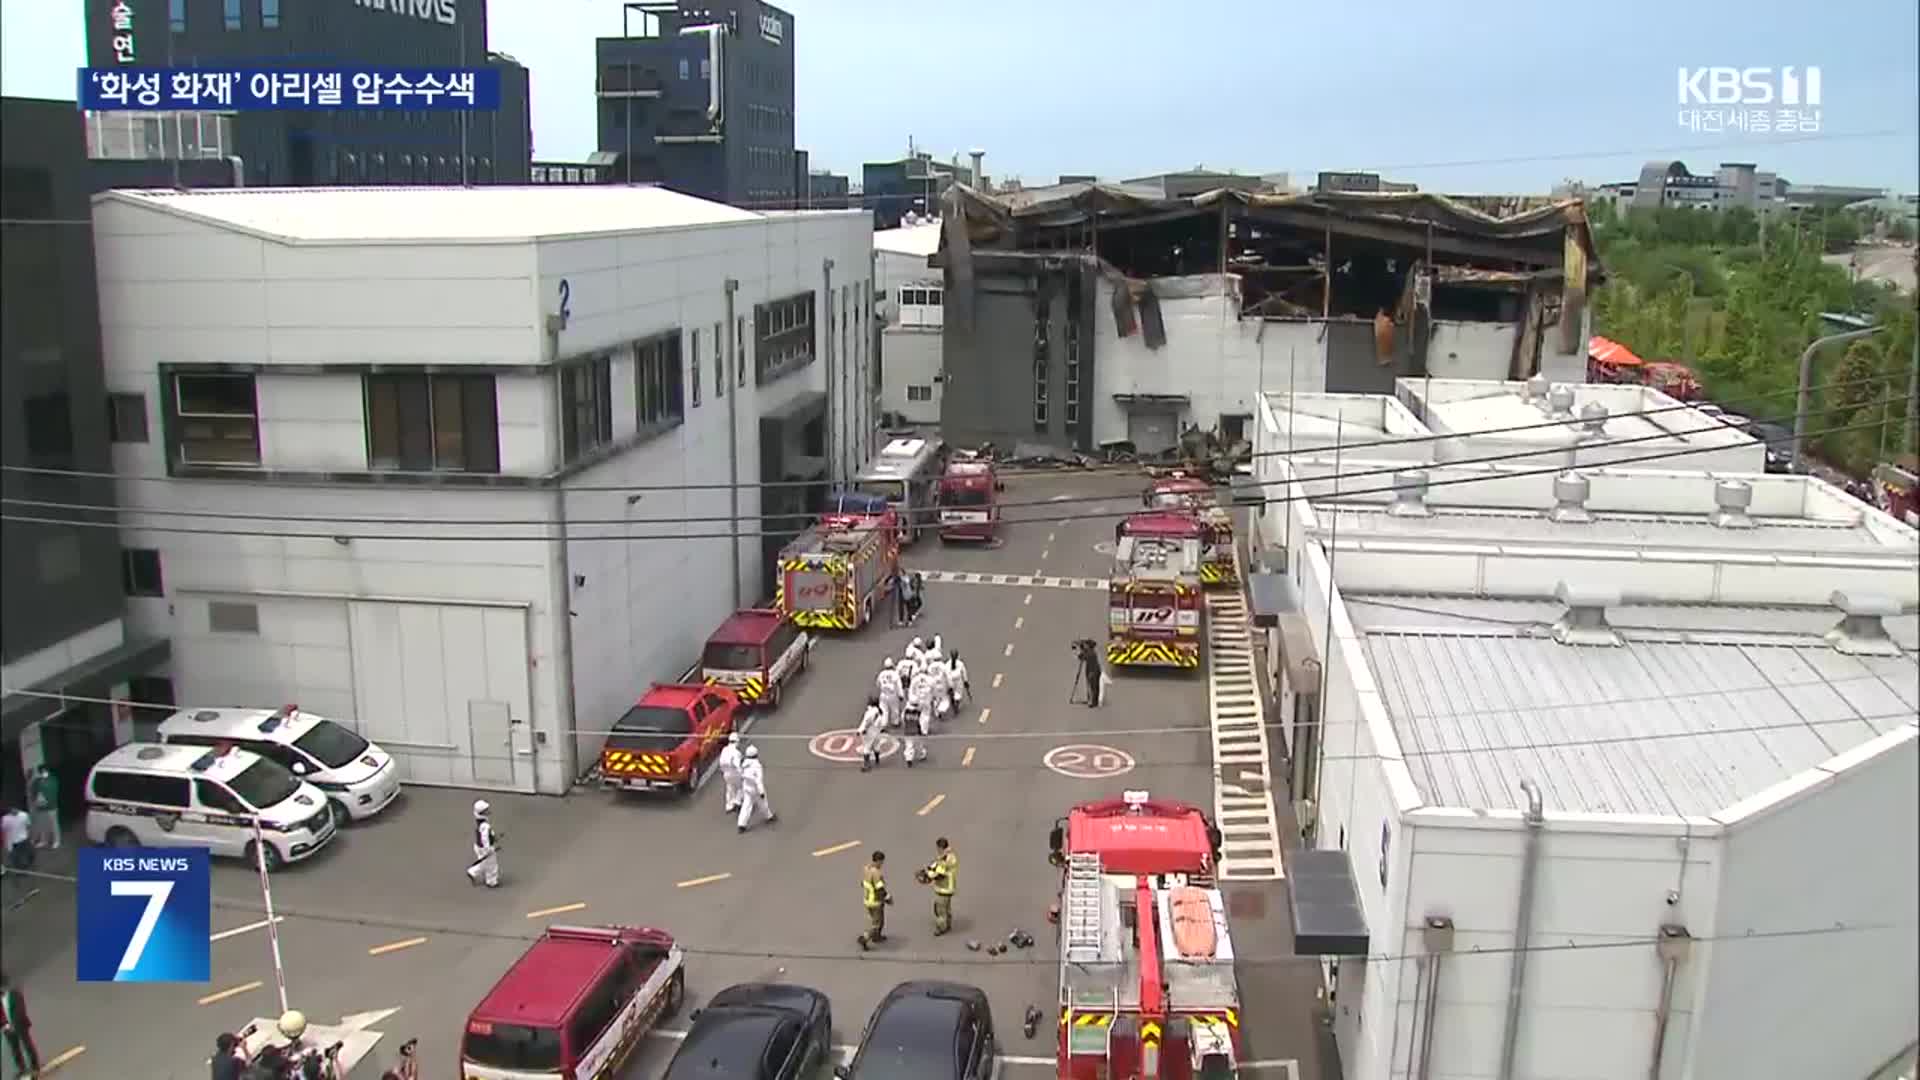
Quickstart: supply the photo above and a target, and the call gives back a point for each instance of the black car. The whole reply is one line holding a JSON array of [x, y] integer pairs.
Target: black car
[[756, 1031], [926, 1031]]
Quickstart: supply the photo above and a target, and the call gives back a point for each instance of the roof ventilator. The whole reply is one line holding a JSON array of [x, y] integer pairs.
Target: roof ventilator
[[1559, 402], [1730, 501], [1862, 631], [1410, 494], [1585, 621], [1593, 420], [1570, 490], [1534, 390]]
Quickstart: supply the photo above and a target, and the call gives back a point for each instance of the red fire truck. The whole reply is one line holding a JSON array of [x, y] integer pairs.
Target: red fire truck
[[1153, 595], [1181, 493], [1896, 488], [1147, 986], [969, 500], [833, 575]]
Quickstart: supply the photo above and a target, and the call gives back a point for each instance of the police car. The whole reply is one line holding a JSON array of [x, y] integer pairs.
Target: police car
[[359, 778], [147, 795]]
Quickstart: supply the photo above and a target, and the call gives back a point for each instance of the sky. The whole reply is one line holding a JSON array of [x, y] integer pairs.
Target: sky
[[1510, 96]]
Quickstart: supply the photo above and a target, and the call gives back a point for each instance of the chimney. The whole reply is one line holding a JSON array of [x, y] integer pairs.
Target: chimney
[[1585, 621], [1593, 419], [1731, 499], [1410, 494], [1862, 631], [1570, 490], [978, 156], [1534, 390], [1560, 402]]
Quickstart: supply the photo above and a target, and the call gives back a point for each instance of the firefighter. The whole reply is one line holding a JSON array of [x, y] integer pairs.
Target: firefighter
[[753, 791], [730, 770], [940, 691], [957, 685], [937, 650], [872, 723], [919, 714], [914, 653], [485, 868], [891, 692], [943, 874], [874, 897]]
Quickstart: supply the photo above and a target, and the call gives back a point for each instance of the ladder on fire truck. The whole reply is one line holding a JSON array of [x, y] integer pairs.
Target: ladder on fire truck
[[1080, 921]]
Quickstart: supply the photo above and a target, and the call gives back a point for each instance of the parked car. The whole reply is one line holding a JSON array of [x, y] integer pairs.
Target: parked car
[[926, 1030], [756, 1031], [668, 738]]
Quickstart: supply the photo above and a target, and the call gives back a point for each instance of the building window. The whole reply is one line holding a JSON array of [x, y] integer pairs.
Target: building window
[[177, 15], [127, 418], [233, 14], [140, 572], [219, 420], [586, 402], [706, 69], [270, 14], [694, 362], [783, 336], [685, 70], [49, 429], [919, 393], [656, 382], [740, 351], [432, 423], [224, 618]]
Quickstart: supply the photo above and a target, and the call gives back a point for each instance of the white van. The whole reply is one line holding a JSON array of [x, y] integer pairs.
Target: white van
[[147, 795], [360, 779]]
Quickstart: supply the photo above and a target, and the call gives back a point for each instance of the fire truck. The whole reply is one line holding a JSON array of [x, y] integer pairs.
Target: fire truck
[[1153, 596], [969, 500], [1147, 986], [1896, 489], [1181, 493], [832, 576]]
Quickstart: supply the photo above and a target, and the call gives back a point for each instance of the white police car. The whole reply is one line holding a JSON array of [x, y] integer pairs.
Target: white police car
[[359, 778], [147, 795]]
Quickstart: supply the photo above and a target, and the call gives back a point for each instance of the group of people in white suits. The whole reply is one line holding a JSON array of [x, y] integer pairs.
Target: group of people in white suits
[[927, 684], [746, 781]]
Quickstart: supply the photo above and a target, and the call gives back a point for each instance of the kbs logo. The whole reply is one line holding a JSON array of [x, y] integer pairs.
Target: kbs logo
[[1788, 86], [144, 915]]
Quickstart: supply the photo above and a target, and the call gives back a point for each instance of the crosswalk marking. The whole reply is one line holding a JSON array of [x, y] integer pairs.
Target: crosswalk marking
[[1024, 581], [1242, 798]]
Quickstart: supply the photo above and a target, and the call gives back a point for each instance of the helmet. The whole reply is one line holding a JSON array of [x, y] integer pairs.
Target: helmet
[[733, 738], [887, 663], [480, 808], [293, 1023], [753, 751], [914, 644]]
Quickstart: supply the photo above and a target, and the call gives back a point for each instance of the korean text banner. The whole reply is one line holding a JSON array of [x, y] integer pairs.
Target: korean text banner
[[144, 915], [304, 88]]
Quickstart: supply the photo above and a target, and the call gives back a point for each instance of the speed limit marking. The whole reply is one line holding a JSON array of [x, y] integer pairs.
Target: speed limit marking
[[843, 745], [1088, 761]]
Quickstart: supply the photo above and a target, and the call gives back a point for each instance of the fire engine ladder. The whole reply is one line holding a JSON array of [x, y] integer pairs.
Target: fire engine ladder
[[1080, 920]]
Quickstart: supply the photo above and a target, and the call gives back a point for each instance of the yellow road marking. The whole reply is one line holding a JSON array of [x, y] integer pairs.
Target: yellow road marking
[[966, 759], [836, 849], [1050, 538], [234, 992], [997, 677], [63, 1059], [563, 908], [708, 880], [931, 803], [1019, 622], [396, 946], [1009, 650], [1027, 601], [986, 712], [1043, 554]]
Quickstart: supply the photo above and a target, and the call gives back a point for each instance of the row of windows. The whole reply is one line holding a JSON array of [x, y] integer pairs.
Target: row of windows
[[917, 296], [266, 14], [379, 167]]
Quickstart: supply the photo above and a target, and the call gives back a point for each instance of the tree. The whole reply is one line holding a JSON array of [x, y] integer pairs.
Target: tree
[[1841, 231]]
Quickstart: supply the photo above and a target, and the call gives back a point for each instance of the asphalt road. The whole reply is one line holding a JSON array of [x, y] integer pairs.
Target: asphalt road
[[386, 919]]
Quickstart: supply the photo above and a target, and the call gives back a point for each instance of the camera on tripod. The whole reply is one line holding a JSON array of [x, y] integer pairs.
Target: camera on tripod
[[1084, 648]]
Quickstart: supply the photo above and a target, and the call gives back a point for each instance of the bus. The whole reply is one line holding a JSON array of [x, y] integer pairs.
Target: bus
[[907, 473]]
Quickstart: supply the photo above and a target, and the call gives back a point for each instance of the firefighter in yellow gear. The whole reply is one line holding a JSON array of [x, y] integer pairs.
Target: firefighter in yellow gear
[[873, 896], [943, 873]]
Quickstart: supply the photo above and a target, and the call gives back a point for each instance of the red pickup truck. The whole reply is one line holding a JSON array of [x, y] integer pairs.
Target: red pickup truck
[[673, 732]]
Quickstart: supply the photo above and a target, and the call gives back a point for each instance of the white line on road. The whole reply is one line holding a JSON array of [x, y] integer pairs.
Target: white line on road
[[1050, 538], [1233, 699], [250, 927], [1028, 601], [998, 677], [1029, 581], [988, 711], [1009, 651], [1020, 622]]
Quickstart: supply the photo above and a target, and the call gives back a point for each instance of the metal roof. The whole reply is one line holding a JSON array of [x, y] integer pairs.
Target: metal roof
[[900, 458], [1771, 535], [908, 239], [438, 214], [1697, 709]]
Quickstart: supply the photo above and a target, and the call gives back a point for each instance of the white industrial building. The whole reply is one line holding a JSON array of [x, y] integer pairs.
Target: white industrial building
[[474, 450], [1613, 772], [907, 293]]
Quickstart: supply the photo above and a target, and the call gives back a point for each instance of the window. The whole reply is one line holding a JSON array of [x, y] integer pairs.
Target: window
[[219, 421], [140, 572], [432, 423], [683, 68], [656, 381], [783, 333], [225, 618], [586, 402], [59, 558], [146, 788], [693, 363], [233, 14], [593, 1015], [214, 797], [49, 429], [920, 393], [740, 350], [177, 15], [270, 14], [706, 69]]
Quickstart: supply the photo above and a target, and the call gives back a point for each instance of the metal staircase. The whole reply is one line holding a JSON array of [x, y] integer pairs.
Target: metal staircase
[[1080, 922]]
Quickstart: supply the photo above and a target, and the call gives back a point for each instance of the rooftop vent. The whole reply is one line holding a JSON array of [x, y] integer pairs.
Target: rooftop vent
[[1410, 494], [1730, 501], [1593, 418], [1862, 630], [1570, 490], [1534, 390], [1560, 401], [1585, 621]]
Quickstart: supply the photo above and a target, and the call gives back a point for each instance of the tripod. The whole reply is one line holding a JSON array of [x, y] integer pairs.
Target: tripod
[[1075, 695]]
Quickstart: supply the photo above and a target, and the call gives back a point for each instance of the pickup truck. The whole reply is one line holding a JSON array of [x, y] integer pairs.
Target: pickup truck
[[669, 736]]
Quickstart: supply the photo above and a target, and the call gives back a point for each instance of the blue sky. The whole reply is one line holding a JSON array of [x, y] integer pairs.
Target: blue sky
[[1465, 97]]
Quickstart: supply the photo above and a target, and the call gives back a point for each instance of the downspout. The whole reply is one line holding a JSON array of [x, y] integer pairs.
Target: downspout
[[1522, 927], [564, 718], [1674, 946], [733, 440], [1439, 941], [825, 330]]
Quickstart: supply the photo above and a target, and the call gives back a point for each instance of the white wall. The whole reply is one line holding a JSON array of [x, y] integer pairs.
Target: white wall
[[911, 356], [1471, 350]]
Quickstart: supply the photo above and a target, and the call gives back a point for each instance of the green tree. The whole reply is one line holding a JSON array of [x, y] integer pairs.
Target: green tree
[[1841, 231]]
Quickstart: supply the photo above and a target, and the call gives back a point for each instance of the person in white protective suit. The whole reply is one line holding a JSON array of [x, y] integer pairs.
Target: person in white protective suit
[[935, 651], [872, 723], [753, 791], [958, 688], [485, 869], [730, 760], [892, 692], [919, 715], [915, 652], [906, 667], [940, 701]]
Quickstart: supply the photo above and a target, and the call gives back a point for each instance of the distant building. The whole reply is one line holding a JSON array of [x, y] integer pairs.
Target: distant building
[[700, 99], [1078, 178], [1668, 184], [162, 149], [600, 167], [908, 305], [828, 190], [1364, 183], [892, 189], [1182, 185]]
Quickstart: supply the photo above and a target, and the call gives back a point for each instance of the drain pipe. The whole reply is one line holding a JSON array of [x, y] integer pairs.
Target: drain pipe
[[1439, 938], [1674, 946], [1522, 926], [730, 366]]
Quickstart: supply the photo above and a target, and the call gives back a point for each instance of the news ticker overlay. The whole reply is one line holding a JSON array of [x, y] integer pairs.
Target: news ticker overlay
[[145, 915], [120, 89]]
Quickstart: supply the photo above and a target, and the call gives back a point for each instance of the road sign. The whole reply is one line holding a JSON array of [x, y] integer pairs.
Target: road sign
[[144, 915], [1088, 761], [843, 745]]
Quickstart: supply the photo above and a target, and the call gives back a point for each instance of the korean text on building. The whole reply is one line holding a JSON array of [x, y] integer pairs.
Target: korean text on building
[[242, 89]]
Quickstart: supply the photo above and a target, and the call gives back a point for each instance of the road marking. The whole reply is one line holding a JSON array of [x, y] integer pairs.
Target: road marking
[[931, 804], [988, 711], [997, 677], [1020, 622], [843, 745], [234, 992], [1237, 718], [1088, 761], [561, 910], [396, 946], [238, 930], [1028, 601], [1009, 649], [966, 759], [1044, 552], [835, 849], [708, 880], [1035, 580], [62, 1059], [1050, 537]]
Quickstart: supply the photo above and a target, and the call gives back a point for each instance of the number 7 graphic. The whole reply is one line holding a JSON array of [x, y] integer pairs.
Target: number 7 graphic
[[156, 893]]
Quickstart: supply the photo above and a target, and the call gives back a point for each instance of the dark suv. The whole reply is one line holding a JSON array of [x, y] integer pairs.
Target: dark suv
[[926, 1031], [756, 1031]]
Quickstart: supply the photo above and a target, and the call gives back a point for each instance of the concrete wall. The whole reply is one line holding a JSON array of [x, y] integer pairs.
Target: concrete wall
[[911, 356]]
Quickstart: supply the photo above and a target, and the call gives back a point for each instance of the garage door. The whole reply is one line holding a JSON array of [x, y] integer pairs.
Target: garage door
[[263, 652], [1152, 432], [445, 689]]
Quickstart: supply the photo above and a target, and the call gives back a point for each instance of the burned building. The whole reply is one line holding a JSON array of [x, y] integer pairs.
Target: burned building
[[1125, 317]]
